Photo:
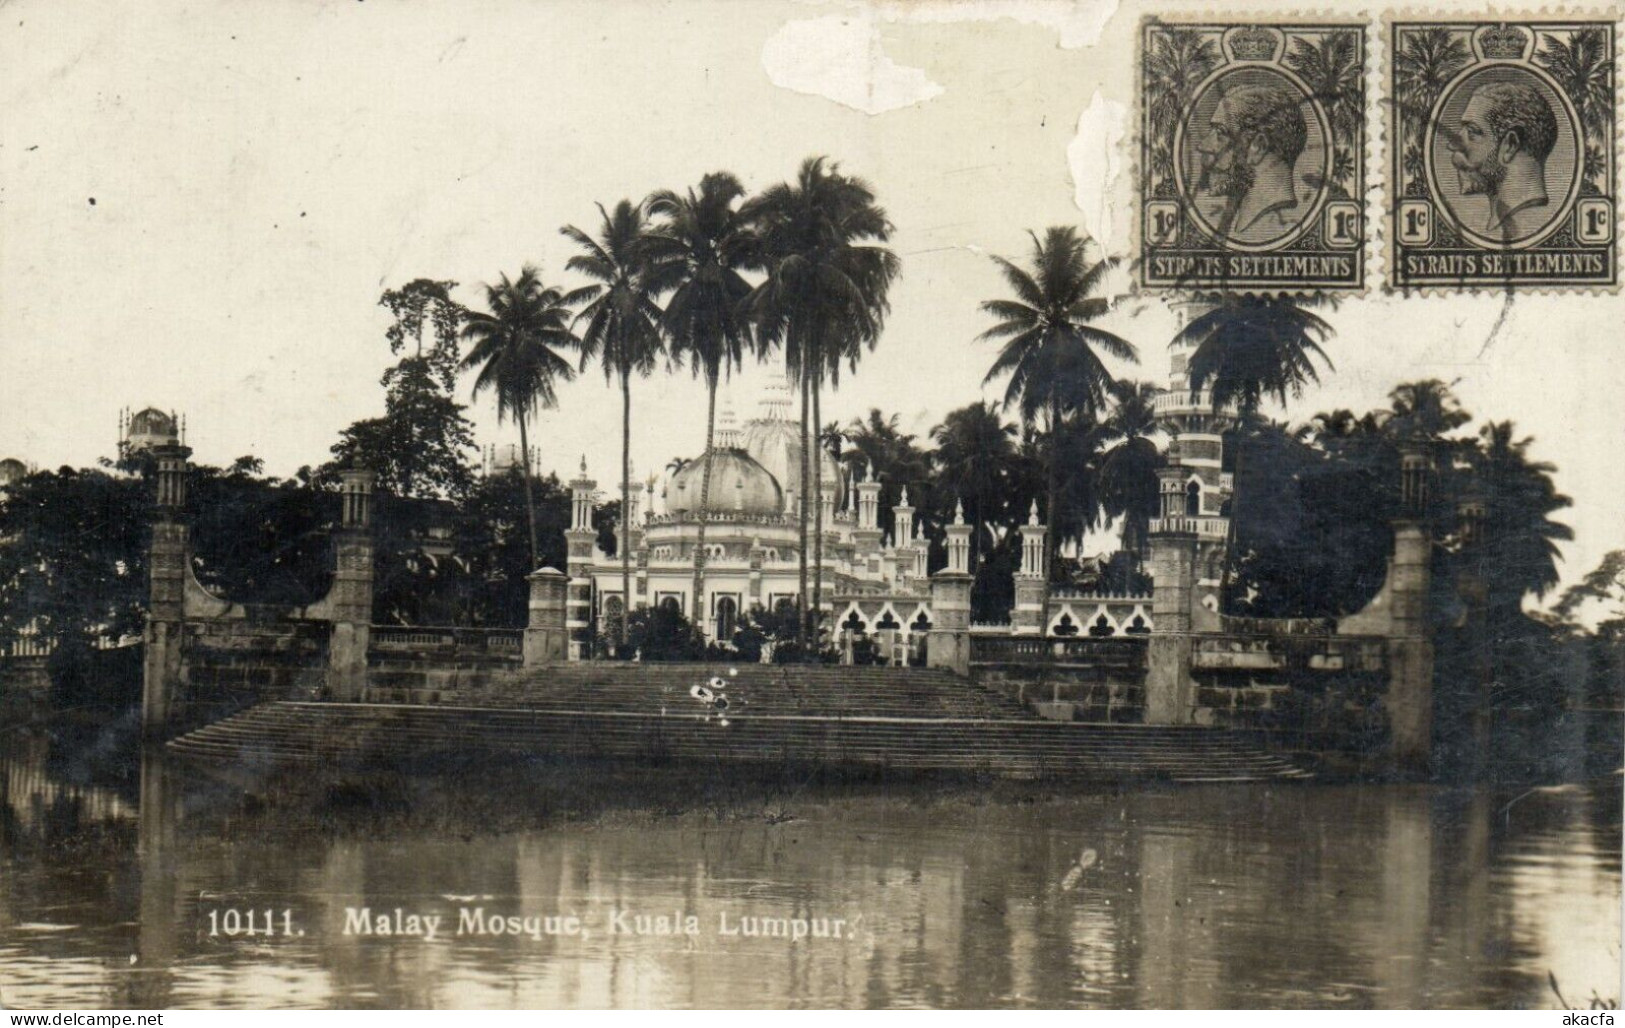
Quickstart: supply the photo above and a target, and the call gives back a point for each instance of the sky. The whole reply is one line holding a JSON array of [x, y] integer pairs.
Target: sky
[[200, 204]]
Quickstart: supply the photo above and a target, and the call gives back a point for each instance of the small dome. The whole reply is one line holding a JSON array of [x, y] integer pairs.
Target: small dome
[[738, 483], [152, 421], [151, 428], [11, 471], [507, 457]]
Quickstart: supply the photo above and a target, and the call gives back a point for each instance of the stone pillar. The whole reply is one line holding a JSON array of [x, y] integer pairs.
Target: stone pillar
[[1029, 611], [167, 554], [1410, 640], [579, 543], [546, 637], [352, 588], [1472, 585], [948, 644], [1170, 690]]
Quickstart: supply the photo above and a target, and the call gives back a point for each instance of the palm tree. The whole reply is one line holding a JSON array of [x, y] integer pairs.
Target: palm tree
[[886, 454], [1051, 351], [516, 347], [823, 300], [1178, 60], [1519, 534], [974, 448], [1425, 410], [1251, 347], [1584, 70], [1424, 62], [622, 330], [1332, 70], [700, 248], [1128, 480], [1247, 348]]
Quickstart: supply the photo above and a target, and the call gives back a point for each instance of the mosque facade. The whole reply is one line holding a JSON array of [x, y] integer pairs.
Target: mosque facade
[[752, 539]]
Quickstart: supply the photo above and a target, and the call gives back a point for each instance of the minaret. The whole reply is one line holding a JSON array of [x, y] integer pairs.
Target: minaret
[[1028, 614], [903, 539], [629, 527], [579, 544], [866, 537], [1187, 539], [903, 516], [922, 553], [959, 541], [1193, 483]]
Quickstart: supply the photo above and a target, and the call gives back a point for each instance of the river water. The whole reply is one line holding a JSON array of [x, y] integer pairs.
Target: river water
[[124, 894]]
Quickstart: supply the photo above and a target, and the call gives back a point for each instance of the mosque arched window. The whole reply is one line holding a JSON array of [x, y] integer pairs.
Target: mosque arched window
[[672, 604], [1193, 498], [727, 618], [1102, 627], [1066, 627]]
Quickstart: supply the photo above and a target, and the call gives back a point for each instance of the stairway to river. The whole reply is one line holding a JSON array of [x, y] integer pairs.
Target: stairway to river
[[860, 718]]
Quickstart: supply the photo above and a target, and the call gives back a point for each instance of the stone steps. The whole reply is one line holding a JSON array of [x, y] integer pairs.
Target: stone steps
[[330, 734], [755, 689]]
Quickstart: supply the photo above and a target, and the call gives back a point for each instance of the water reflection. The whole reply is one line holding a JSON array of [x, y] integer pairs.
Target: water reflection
[[1205, 897]]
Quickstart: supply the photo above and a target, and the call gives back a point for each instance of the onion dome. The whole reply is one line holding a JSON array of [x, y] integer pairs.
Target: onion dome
[[738, 484], [773, 440]]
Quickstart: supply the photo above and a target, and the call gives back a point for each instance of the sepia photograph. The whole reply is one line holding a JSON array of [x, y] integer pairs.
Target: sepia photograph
[[810, 504]]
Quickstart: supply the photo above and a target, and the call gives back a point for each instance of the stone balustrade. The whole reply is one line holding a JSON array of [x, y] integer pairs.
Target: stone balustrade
[[1181, 401], [1206, 528]]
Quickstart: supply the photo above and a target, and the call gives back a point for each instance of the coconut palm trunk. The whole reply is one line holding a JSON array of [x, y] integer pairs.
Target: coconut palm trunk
[[705, 506], [1231, 535], [801, 631], [530, 492], [818, 521], [1054, 505], [625, 541]]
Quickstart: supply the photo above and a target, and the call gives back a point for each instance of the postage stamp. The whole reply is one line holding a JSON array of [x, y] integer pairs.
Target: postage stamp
[[1252, 156], [1502, 150]]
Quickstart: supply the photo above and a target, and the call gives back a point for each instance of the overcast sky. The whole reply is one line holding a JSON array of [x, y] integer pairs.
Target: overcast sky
[[200, 204]]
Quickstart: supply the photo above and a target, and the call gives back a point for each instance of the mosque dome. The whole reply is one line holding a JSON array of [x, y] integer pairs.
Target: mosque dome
[[738, 484], [149, 428], [773, 439], [12, 471], [505, 458]]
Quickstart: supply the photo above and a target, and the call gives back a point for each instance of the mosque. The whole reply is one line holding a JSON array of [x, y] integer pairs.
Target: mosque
[[752, 538]]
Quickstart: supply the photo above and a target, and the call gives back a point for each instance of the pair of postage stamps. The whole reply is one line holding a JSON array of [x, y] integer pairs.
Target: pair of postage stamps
[[1499, 155]]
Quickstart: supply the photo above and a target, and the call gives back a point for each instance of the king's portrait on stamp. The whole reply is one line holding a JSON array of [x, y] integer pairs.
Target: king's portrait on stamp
[[1503, 156], [1252, 155]]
